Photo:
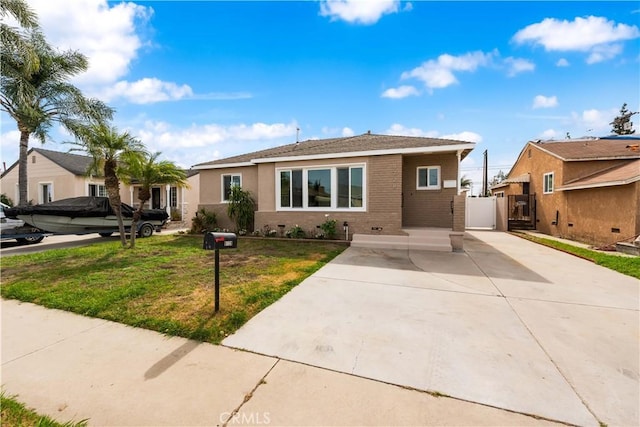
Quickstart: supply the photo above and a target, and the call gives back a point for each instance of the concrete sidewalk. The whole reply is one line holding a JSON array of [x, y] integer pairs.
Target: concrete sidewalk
[[72, 367]]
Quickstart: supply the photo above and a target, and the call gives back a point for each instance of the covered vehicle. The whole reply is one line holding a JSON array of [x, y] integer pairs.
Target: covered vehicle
[[16, 229], [85, 215]]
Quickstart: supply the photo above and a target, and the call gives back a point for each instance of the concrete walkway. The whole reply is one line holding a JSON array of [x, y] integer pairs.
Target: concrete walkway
[[509, 324], [507, 328]]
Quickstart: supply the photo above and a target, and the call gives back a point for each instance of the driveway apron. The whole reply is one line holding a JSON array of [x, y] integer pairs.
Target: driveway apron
[[508, 324]]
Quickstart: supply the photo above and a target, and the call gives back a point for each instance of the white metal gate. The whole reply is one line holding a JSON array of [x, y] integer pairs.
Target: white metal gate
[[480, 213]]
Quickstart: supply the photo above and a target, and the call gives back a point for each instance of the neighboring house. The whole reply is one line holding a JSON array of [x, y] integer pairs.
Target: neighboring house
[[53, 175], [586, 190], [377, 184]]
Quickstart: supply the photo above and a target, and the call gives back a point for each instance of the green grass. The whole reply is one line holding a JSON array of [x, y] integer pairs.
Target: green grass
[[622, 264], [166, 283], [15, 414]]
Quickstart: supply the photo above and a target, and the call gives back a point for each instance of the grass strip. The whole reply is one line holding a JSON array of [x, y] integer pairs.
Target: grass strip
[[166, 283], [15, 414], [622, 264]]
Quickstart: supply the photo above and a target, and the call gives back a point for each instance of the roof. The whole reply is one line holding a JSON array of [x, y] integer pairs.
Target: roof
[[360, 145], [75, 163], [515, 180], [608, 148], [623, 174]]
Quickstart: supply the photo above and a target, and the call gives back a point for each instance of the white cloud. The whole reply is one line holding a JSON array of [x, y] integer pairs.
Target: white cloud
[[518, 65], [562, 62], [604, 53], [202, 143], [346, 131], [359, 11], [548, 134], [465, 136], [399, 129], [145, 91], [541, 101], [106, 35], [593, 34], [400, 92], [439, 73]]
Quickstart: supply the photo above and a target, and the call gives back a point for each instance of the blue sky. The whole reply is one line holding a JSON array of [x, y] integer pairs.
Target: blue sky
[[204, 80]]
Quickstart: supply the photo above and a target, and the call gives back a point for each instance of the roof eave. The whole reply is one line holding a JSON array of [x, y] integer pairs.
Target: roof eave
[[222, 165], [600, 184], [411, 150]]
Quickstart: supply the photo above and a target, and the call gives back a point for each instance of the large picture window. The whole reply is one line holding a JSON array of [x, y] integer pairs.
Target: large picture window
[[325, 188], [229, 181], [428, 178]]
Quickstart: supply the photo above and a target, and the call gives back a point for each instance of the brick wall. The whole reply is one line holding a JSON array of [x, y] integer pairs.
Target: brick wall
[[428, 208]]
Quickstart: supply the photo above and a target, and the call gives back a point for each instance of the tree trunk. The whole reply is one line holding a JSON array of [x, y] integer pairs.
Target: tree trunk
[[143, 196], [112, 185], [23, 160]]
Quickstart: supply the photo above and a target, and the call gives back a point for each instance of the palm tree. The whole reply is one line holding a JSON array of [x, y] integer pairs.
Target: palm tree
[[37, 99], [465, 182], [109, 149], [14, 40], [147, 171]]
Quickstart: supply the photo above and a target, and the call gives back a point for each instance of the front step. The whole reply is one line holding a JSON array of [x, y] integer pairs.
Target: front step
[[416, 239]]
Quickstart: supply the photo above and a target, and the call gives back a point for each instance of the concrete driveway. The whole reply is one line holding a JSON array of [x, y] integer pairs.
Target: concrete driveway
[[508, 324]]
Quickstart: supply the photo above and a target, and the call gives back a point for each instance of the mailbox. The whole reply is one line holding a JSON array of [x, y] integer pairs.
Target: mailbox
[[220, 241]]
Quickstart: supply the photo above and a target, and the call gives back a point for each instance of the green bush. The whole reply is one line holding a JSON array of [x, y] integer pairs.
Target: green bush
[[241, 209], [204, 221]]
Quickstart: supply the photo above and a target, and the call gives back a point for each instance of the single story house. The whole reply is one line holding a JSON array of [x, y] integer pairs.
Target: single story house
[[54, 175], [375, 184], [581, 189]]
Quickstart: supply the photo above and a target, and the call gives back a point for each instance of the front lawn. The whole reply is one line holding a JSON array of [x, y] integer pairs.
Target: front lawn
[[166, 282]]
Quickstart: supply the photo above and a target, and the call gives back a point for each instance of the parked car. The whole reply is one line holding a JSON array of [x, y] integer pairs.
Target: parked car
[[13, 228]]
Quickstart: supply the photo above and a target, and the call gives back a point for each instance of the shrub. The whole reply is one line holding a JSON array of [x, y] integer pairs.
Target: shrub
[[296, 232], [329, 228], [241, 209], [204, 221]]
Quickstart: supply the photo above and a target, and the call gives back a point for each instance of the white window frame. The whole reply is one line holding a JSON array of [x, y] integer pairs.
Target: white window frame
[[41, 188], [232, 175], [334, 188], [545, 187], [428, 186], [173, 191], [98, 187]]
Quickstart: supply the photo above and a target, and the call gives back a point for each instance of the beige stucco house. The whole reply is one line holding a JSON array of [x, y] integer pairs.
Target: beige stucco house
[[377, 184], [586, 190], [54, 175]]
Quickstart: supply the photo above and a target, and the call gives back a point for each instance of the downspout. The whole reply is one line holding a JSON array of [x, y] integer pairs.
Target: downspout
[[166, 199], [458, 155]]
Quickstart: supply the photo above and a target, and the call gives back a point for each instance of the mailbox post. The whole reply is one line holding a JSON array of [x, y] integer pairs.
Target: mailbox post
[[216, 241]]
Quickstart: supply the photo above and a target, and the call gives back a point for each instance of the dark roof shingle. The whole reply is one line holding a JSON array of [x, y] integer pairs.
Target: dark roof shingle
[[353, 144]]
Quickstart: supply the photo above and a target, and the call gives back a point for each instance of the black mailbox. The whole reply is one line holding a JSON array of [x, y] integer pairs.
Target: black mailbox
[[220, 241]]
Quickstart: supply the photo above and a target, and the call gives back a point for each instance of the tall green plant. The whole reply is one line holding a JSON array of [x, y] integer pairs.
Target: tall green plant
[[147, 171], [38, 95], [241, 208], [109, 149]]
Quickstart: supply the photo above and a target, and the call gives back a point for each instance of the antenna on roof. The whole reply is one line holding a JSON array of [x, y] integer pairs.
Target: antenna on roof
[[297, 135]]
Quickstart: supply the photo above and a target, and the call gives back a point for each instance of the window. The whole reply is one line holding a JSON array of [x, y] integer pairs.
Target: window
[[228, 181], [45, 195], [428, 178], [173, 197], [321, 188], [548, 183], [97, 190]]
